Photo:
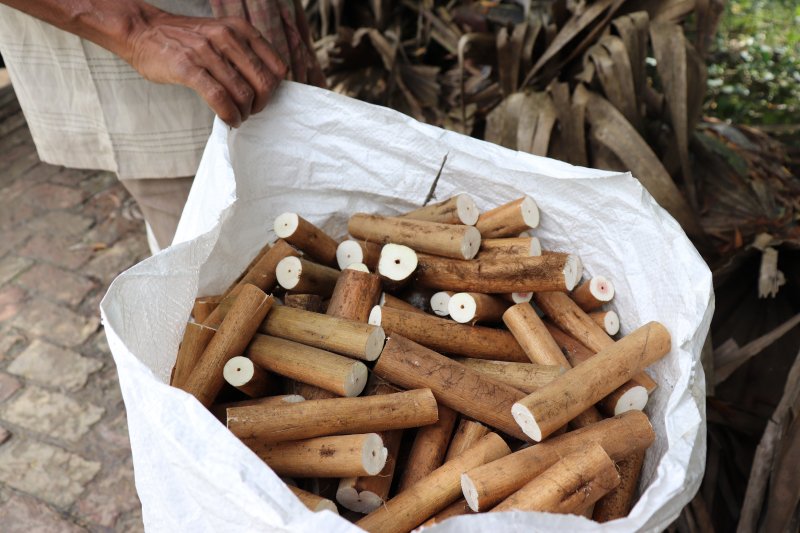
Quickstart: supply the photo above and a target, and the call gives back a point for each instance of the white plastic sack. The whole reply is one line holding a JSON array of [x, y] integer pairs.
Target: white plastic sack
[[327, 156]]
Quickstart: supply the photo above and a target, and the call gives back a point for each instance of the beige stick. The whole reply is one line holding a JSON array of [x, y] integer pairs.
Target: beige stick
[[619, 436], [235, 332], [240, 372], [447, 336], [354, 295], [353, 251], [313, 303], [310, 392], [220, 410], [460, 209], [433, 493], [195, 340], [396, 265], [335, 373], [307, 237], [554, 272], [510, 248], [526, 377], [467, 434], [448, 240], [458, 508], [429, 448], [314, 418], [608, 320], [618, 503], [387, 300], [509, 219], [204, 306], [440, 301], [593, 293], [547, 409], [298, 275], [569, 486], [410, 365], [335, 456], [473, 307], [314, 502], [308, 302]]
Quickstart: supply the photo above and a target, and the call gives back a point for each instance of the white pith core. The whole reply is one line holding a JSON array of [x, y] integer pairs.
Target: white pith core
[[439, 303], [526, 421], [238, 371], [633, 400], [375, 316], [530, 212], [467, 209], [471, 242], [601, 288], [288, 272], [286, 224], [462, 307], [349, 252]]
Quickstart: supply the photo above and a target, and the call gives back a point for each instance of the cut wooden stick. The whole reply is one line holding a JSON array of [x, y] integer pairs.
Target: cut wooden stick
[[354, 295], [220, 410], [509, 248], [458, 508], [332, 372], [310, 392], [473, 307], [517, 297], [240, 372], [314, 502], [204, 306], [195, 340], [410, 365], [237, 329], [569, 486], [593, 293], [308, 302], [335, 456], [364, 494], [396, 265], [387, 300], [447, 336], [551, 407], [353, 251], [298, 275], [439, 302], [526, 377], [608, 320], [316, 418], [434, 492], [509, 219], [620, 436], [554, 272], [618, 502], [429, 448], [307, 237], [447, 240], [460, 209], [340, 335], [467, 434]]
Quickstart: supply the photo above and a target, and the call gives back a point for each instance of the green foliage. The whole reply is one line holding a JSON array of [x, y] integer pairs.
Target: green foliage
[[754, 71]]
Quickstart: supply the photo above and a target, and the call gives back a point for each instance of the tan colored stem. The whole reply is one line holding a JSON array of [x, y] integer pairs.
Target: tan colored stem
[[307, 237], [618, 503], [335, 456], [311, 392], [220, 410], [358, 251], [449, 337], [509, 249], [307, 302], [619, 436], [593, 293], [251, 379], [410, 365], [314, 502], [434, 492], [314, 418], [467, 434], [459, 209], [429, 448], [547, 409], [332, 372], [204, 306], [327, 332], [473, 307], [509, 219], [354, 295], [387, 300], [526, 377], [230, 340], [298, 275], [555, 272], [569, 486], [447, 240], [458, 508], [195, 340]]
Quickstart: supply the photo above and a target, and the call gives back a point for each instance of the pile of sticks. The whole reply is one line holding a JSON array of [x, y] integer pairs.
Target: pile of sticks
[[370, 389]]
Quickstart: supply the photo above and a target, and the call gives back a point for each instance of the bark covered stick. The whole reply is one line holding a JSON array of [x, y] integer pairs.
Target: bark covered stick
[[429, 448], [448, 240], [396, 265], [298, 275], [593, 293], [608, 320], [554, 272], [447, 336], [307, 302], [466, 435], [509, 219], [234, 333], [410, 365], [195, 340], [334, 456], [458, 508], [310, 392], [220, 409], [358, 251], [307, 237], [618, 502], [354, 295], [251, 379], [314, 502], [388, 300], [549, 408], [460, 209], [509, 248], [526, 377], [204, 306], [332, 372], [571, 485], [337, 416], [619, 436], [473, 307], [434, 492]]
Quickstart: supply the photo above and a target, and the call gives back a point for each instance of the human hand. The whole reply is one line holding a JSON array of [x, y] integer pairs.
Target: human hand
[[226, 61]]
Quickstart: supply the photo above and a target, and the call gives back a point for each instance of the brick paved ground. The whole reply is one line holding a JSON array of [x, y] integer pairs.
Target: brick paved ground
[[65, 460]]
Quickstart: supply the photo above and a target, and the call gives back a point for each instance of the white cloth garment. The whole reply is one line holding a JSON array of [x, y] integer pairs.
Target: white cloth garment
[[87, 108]]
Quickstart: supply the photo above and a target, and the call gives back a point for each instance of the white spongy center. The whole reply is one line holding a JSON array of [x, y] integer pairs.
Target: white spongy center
[[471, 242], [375, 315], [397, 262], [611, 321], [521, 297], [462, 307], [530, 212], [601, 288], [361, 267], [375, 343], [286, 224], [526, 421], [467, 209], [349, 252], [470, 492], [439, 303], [572, 271], [238, 371], [633, 400], [288, 272], [374, 454]]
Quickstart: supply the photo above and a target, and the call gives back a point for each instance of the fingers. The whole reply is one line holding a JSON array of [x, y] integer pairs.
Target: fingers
[[216, 96], [239, 89]]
